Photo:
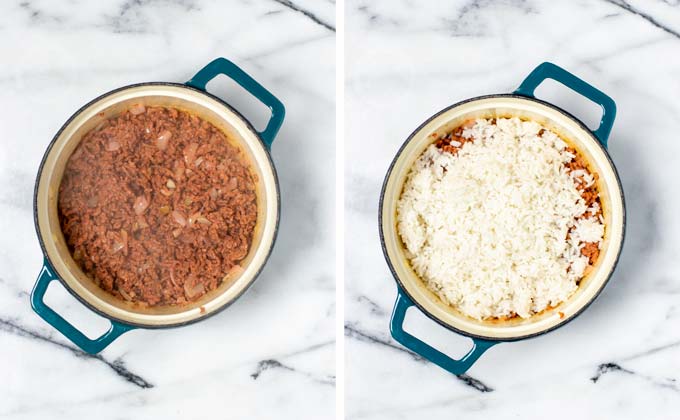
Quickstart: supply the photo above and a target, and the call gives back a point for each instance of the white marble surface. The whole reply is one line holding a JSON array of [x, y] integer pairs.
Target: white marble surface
[[271, 354], [407, 60]]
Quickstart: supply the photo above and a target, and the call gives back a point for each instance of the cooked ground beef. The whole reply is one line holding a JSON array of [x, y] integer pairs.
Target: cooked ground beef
[[157, 206]]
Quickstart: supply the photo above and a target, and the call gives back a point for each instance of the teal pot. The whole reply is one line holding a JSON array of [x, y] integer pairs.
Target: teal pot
[[411, 290], [192, 97]]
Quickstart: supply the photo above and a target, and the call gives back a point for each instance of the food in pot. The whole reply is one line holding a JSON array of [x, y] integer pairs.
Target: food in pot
[[157, 206], [501, 218]]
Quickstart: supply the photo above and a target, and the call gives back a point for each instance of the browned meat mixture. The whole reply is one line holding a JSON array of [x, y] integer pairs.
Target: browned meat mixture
[[447, 142], [453, 141], [590, 195], [157, 207]]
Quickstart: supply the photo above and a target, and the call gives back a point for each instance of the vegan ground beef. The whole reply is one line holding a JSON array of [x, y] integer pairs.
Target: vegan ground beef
[[157, 207]]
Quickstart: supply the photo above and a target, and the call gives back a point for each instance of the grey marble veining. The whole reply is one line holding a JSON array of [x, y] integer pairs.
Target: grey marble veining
[[271, 354]]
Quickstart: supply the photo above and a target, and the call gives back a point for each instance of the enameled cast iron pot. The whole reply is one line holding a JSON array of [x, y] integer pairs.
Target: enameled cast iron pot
[[191, 97], [521, 103]]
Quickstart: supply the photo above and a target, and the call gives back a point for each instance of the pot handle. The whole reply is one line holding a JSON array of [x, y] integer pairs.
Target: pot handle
[[223, 66], [457, 367], [551, 71], [63, 326]]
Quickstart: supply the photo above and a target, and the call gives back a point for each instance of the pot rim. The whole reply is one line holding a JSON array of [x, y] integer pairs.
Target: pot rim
[[84, 301], [404, 290]]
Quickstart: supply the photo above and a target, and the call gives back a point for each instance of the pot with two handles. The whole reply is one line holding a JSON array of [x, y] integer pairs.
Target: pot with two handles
[[193, 98], [411, 291]]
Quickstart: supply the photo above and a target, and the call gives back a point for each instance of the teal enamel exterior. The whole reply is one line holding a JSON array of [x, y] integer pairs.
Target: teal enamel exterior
[[551, 71], [457, 367], [88, 345], [47, 274], [479, 346], [231, 70]]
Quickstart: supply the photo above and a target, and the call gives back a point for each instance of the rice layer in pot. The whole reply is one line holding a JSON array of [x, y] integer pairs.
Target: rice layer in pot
[[501, 218]]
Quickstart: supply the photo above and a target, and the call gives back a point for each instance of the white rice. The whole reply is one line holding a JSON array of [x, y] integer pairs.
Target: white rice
[[486, 228]]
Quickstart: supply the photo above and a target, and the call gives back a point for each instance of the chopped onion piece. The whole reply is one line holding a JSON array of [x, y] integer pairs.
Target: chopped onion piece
[[193, 291], [179, 218], [170, 184], [192, 218], [162, 140], [124, 236], [172, 277], [197, 217], [190, 153], [112, 146], [125, 295], [117, 247], [232, 184], [179, 170], [140, 206], [137, 109]]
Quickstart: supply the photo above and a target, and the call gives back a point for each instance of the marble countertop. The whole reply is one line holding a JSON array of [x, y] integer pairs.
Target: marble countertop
[[407, 60], [269, 355]]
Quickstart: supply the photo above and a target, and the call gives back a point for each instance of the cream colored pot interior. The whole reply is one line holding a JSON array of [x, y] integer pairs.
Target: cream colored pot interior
[[111, 105], [573, 133]]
